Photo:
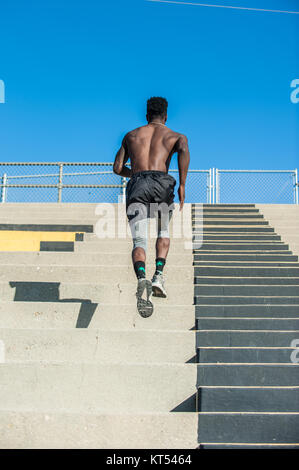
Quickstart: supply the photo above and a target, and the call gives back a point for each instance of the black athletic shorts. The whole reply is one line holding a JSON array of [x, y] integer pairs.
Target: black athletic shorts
[[150, 187]]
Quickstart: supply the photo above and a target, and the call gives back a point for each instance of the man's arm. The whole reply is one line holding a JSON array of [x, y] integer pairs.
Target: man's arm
[[121, 158], [182, 149]]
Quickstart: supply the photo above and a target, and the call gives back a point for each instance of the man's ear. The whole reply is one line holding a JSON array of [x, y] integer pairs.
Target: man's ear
[[147, 118], [166, 117]]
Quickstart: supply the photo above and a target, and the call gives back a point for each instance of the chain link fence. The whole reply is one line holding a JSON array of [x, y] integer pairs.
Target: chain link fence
[[59, 182], [96, 182], [256, 186]]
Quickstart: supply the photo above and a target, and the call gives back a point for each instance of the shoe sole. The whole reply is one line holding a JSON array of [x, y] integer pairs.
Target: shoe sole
[[157, 292], [145, 307]]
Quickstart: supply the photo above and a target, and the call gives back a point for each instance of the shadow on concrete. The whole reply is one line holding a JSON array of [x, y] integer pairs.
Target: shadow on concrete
[[188, 405], [49, 292]]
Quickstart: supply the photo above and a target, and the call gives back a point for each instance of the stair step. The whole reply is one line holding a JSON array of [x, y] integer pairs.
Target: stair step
[[48, 227], [71, 314], [56, 274], [275, 311], [216, 206], [247, 355], [241, 290], [219, 271], [247, 375], [96, 388], [246, 281], [261, 229], [97, 431], [247, 446], [249, 264], [244, 246], [248, 399], [88, 259], [223, 210], [252, 427], [243, 257], [208, 215], [97, 346], [90, 295], [241, 238], [219, 323], [246, 338], [245, 300], [224, 222]]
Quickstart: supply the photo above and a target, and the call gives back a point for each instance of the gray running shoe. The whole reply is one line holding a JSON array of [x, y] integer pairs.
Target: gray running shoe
[[144, 306], [158, 286]]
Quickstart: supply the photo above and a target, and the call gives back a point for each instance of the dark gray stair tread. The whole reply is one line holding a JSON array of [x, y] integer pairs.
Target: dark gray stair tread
[[247, 281], [205, 222], [220, 271], [244, 355], [246, 338], [249, 264], [242, 238], [243, 445], [280, 399], [245, 300], [257, 428], [247, 323], [207, 215], [241, 246], [198, 251], [245, 257], [223, 205], [264, 229], [56, 246], [226, 209], [248, 375], [276, 311], [47, 227], [284, 290]]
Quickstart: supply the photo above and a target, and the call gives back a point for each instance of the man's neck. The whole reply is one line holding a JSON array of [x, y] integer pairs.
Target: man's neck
[[157, 121]]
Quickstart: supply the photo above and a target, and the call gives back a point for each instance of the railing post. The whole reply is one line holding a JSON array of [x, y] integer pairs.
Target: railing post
[[296, 188], [209, 195], [217, 185], [60, 182], [4, 182]]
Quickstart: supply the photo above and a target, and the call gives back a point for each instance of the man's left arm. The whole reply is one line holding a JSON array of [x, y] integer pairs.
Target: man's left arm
[[121, 159]]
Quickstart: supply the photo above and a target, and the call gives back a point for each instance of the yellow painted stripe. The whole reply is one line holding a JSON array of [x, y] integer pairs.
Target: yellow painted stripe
[[19, 245], [23, 235]]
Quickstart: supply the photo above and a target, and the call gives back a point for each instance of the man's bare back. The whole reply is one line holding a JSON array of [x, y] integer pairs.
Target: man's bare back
[[151, 147]]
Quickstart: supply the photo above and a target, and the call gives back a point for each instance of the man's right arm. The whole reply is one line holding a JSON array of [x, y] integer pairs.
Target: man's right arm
[[182, 149]]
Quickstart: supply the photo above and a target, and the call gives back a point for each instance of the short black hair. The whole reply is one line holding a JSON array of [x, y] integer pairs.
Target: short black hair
[[156, 107]]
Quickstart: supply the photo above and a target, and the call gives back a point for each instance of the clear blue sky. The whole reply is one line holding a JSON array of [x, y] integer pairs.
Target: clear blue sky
[[78, 75]]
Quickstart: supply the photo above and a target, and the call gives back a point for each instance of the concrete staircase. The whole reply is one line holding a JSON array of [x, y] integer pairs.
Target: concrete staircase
[[210, 368], [82, 369], [247, 314]]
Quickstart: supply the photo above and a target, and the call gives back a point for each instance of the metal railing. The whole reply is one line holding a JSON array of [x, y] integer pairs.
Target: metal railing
[[96, 182]]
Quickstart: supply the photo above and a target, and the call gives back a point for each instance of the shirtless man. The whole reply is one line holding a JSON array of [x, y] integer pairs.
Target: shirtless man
[[150, 149]]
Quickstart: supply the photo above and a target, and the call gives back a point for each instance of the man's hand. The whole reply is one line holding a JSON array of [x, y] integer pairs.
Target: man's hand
[[181, 193]]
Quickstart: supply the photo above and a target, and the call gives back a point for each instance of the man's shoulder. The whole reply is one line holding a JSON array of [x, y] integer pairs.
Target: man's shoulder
[[176, 133], [133, 133]]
